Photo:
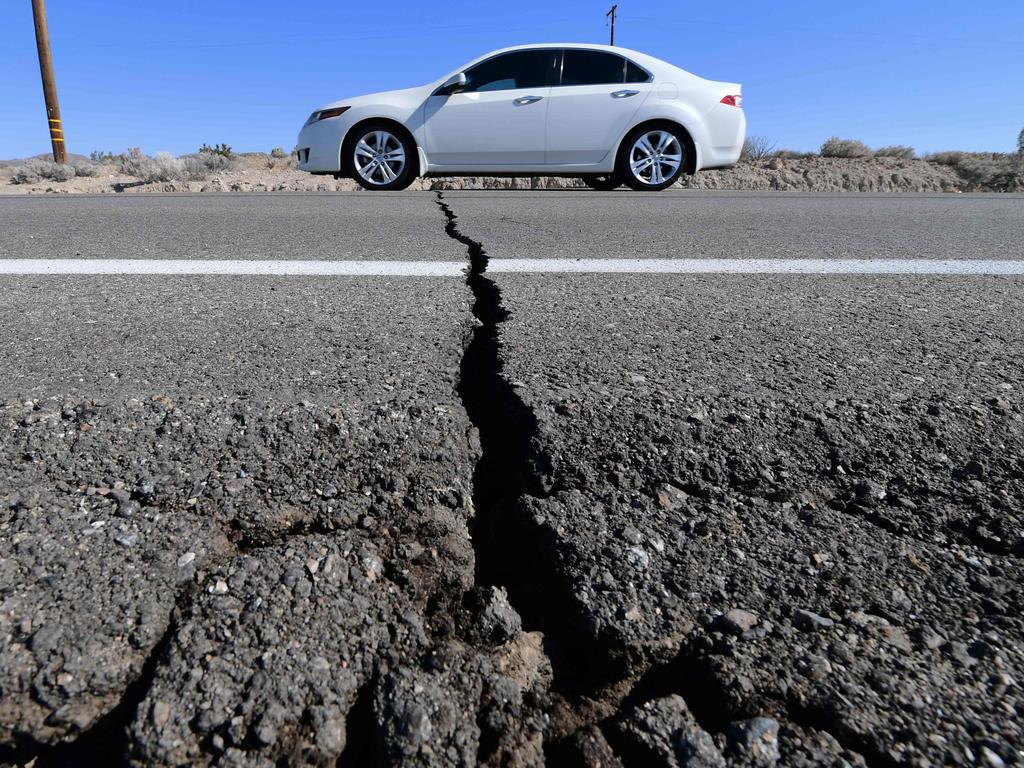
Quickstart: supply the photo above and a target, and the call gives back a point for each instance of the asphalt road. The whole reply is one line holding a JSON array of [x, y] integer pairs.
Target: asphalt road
[[702, 224], [226, 226], [648, 519]]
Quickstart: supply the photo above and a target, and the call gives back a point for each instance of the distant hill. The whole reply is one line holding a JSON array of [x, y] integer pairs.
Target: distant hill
[[44, 156]]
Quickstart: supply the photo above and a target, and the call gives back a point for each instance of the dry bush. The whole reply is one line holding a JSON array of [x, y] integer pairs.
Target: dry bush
[[757, 148], [945, 158], [836, 147], [160, 167], [993, 172], [134, 163], [278, 153], [792, 154], [165, 167], [984, 171], [85, 168], [217, 149], [201, 166], [37, 170], [898, 151]]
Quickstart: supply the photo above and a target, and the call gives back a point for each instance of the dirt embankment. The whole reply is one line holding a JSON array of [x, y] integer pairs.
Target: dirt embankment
[[261, 173]]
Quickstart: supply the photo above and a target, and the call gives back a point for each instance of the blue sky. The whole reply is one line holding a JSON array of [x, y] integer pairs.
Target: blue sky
[[171, 75]]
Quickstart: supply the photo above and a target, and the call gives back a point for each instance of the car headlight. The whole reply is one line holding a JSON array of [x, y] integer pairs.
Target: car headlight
[[324, 114]]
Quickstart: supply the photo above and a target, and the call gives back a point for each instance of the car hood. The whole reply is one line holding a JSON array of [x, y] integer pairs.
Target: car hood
[[390, 97]]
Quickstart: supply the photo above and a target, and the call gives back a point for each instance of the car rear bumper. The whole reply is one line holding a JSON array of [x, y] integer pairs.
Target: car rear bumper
[[727, 130]]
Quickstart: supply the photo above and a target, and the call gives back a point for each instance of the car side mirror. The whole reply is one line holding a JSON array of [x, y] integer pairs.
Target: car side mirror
[[453, 84]]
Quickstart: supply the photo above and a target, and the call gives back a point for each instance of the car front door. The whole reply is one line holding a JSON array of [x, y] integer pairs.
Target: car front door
[[592, 105], [498, 119]]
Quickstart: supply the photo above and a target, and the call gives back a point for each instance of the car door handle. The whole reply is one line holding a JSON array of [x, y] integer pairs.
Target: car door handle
[[624, 94], [528, 100]]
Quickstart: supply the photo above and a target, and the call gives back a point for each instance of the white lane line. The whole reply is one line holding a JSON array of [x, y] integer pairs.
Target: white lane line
[[458, 268], [229, 267], [763, 266]]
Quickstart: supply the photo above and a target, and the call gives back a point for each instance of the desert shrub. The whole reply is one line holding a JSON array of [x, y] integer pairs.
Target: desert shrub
[[901, 152], [836, 147], [984, 171], [37, 170], [217, 149], [134, 163], [757, 148], [85, 168], [200, 166], [99, 156], [991, 172], [945, 158], [165, 168], [160, 167], [792, 154], [1020, 143], [278, 153]]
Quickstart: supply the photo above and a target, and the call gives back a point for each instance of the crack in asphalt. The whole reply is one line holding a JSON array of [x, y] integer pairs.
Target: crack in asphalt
[[512, 471]]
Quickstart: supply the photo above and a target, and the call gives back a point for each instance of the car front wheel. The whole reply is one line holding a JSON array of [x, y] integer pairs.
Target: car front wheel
[[652, 158], [381, 158]]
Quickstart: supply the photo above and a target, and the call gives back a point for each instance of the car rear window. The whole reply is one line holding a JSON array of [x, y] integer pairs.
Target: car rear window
[[634, 74]]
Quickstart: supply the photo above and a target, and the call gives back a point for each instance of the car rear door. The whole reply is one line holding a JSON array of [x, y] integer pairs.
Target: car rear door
[[499, 119], [592, 104]]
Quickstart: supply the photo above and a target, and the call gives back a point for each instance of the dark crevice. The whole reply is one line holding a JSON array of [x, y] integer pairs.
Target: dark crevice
[[817, 718], [106, 742], [362, 745], [511, 549], [254, 540], [632, 753], [509, 467]]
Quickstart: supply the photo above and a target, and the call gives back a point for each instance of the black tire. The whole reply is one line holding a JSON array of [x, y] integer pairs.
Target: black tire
[[355, 162], [676, 149], [602, 183]]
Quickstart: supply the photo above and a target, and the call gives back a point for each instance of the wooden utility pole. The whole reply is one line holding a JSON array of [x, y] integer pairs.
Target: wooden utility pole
[[612, 14], [49, 81]]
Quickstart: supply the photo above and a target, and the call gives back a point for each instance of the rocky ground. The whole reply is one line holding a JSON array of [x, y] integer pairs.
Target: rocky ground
[[615, 520], [258, 172]]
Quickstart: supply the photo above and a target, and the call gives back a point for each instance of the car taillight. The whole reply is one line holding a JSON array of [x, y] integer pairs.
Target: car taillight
[[733, 101]]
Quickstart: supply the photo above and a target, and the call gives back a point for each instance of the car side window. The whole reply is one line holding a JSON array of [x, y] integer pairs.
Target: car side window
[[519, 69], [635, 74], [583, 67]]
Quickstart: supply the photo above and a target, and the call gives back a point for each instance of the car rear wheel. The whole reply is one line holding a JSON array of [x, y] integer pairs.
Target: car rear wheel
[[381, 158], [652, 158], [602, 183]]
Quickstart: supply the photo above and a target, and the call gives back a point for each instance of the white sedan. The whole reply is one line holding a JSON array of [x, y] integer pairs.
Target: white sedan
[[608, 115]]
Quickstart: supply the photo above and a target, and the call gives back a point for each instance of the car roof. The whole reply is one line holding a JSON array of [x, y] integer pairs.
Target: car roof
[[589, 46], [648, 62]]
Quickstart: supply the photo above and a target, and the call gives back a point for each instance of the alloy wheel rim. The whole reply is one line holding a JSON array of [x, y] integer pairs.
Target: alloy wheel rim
[[655, 157], [379, 158]]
